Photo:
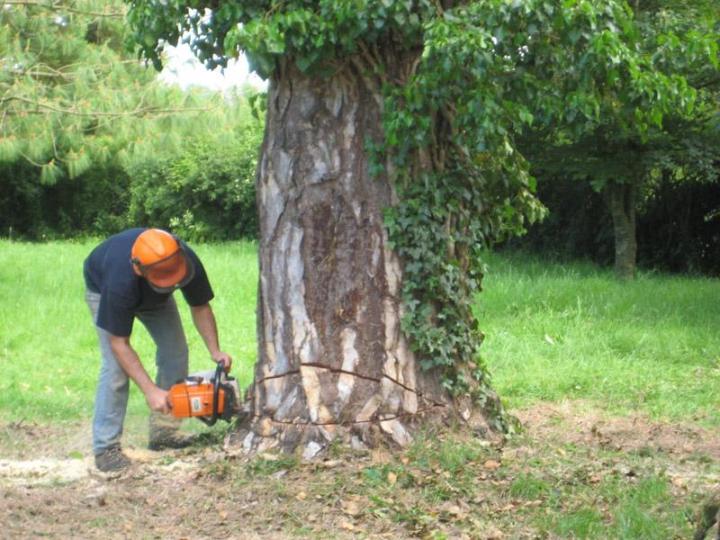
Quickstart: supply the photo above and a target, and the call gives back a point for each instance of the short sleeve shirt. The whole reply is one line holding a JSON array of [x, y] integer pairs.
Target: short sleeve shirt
[[108, 271]]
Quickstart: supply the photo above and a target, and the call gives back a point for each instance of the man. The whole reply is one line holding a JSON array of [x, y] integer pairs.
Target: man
[[133, 275]]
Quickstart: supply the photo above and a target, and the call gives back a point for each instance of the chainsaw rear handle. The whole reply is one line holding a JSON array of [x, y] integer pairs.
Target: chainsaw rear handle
[[216, 397]]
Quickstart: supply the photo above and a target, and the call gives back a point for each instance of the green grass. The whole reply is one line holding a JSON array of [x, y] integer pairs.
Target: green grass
[[552, 332], [444, 484], [527, 486], [636, 514], [581, 523], [643, 510], [557, 332]]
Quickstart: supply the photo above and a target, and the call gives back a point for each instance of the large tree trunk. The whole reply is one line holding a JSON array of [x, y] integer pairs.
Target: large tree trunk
[[621, 199], [332, 360]]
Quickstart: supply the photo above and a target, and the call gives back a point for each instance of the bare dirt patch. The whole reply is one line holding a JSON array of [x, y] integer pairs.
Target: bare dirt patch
[[577, 423], [688, 454], [450, 485]]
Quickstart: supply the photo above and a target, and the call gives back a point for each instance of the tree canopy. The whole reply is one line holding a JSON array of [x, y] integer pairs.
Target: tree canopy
[[81, 114], [460, 82], [70, 90], [626, 160]]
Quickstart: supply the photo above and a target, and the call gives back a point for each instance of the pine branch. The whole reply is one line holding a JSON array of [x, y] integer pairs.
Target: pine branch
[[30, 160], [65, 72], [45, 108], [59, 6]]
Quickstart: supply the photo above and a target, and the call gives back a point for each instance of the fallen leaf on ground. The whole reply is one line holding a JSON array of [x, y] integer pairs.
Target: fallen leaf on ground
[[679, 482], [350, 507], [452, 509], [494, 534]]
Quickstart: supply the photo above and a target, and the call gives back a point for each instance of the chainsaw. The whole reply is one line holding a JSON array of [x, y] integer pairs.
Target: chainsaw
[[206, 396]]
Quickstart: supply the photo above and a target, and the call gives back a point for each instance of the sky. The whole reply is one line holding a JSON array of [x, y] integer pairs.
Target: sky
[[184, 69]]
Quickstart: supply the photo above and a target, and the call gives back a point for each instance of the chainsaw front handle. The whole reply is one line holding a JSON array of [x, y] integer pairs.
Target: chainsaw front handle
[[219, 370]]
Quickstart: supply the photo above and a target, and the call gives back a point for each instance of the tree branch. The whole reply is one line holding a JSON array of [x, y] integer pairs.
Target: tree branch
[[44, 108], [706, 83], [59, 6]]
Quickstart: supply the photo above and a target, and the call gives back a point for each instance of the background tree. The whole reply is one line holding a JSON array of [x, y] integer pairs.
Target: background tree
[[204, 187], [389, 162], [627, 161], [81, 118], [48, 130]]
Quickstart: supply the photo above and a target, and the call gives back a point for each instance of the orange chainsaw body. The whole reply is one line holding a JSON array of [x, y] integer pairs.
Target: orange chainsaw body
[[205, 397], [195, 399]]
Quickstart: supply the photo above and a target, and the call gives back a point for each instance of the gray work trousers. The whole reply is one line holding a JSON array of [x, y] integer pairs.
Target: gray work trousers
[[171, 357]]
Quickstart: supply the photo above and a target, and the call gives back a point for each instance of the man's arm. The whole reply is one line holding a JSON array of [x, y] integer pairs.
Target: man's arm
[[204, 320], [156, 397]]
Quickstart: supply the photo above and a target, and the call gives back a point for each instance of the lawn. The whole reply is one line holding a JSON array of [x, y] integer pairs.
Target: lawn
[[572, 331], [553, 332]]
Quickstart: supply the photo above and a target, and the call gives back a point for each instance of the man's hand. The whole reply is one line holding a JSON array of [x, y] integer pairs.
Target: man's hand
[[224, 359], [158, 400]]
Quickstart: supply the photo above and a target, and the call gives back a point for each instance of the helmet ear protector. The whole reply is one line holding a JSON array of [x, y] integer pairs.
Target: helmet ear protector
[[169, 273]]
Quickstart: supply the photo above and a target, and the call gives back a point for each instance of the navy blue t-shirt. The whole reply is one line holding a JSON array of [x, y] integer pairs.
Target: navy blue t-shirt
[[123, 293]]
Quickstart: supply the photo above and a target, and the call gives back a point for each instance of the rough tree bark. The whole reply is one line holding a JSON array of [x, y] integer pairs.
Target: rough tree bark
[[332, 359], [621, 199]]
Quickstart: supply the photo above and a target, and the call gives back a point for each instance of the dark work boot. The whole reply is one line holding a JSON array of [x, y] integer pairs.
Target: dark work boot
[[112, 460]]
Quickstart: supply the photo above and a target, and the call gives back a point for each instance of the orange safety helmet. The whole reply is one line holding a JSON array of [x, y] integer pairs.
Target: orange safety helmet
[[160, 258]]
